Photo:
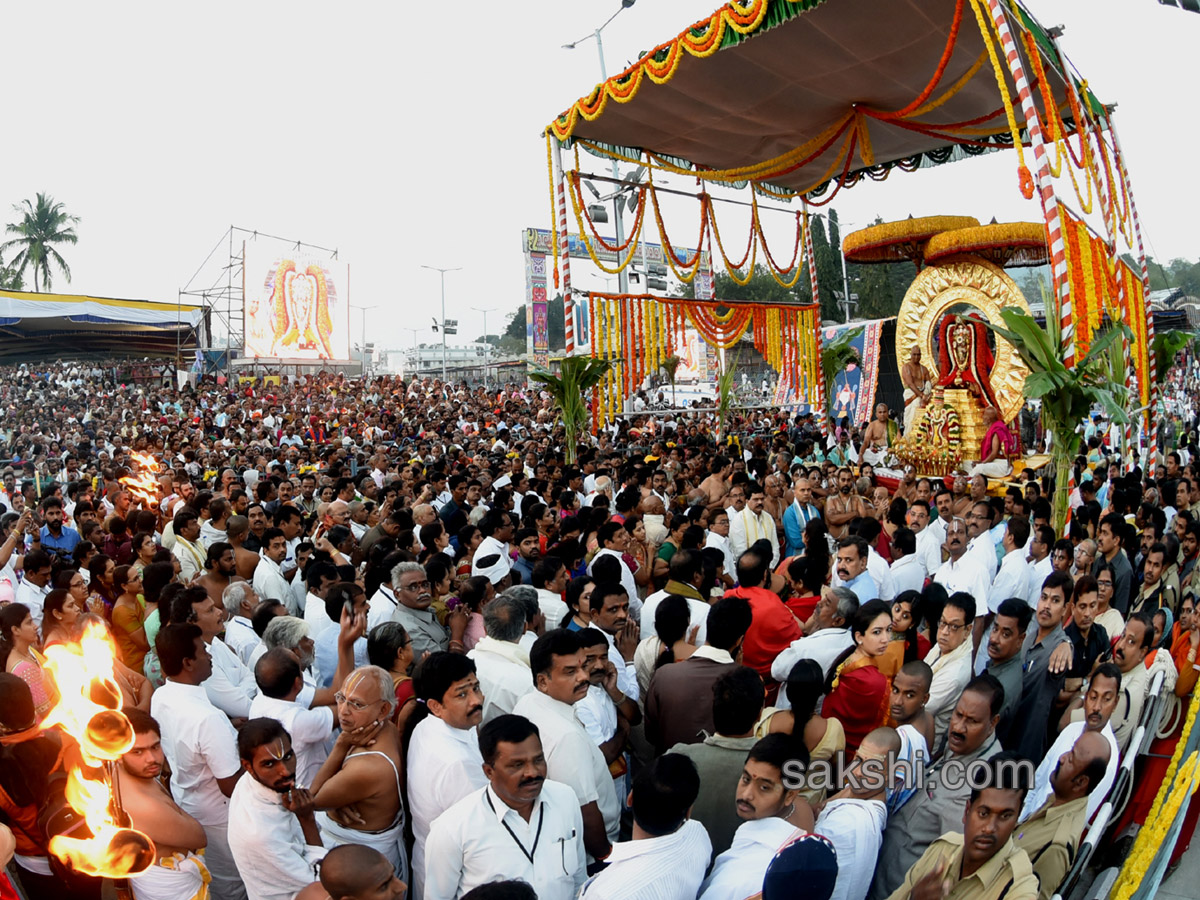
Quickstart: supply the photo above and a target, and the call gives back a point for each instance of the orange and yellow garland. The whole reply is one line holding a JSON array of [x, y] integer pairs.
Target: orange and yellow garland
[[640, 331]]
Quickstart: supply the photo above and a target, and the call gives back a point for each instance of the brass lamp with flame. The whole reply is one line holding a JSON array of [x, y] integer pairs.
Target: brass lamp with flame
[[89, 709]]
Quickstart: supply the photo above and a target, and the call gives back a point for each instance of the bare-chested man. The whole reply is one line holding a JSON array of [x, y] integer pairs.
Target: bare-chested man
[[177, 836], [773, 501], [716, 485], [960, 500], [220, 569], [875, 438], [358, 786], [244, 561], [843, 506], [917, 386]]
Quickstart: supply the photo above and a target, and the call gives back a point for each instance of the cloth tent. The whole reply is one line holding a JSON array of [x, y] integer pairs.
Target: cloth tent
[[39, 326]]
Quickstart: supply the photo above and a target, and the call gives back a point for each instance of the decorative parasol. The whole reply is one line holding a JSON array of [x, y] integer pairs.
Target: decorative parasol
[[899, 241], [1005, 244]]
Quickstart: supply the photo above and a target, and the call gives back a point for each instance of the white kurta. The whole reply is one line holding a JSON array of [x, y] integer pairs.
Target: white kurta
[[738, 872]]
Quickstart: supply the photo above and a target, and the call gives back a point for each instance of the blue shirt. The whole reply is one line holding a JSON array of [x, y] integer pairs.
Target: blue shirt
[[325, 651], [864, 587], [63, 545]]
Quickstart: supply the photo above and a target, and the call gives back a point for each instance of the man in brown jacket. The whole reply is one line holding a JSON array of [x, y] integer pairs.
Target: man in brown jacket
[[679, 702]]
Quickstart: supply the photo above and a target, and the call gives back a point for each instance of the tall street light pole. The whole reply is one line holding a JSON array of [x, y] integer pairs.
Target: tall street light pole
[[618, 201], [363, 345], [487, 346], [443, 273]]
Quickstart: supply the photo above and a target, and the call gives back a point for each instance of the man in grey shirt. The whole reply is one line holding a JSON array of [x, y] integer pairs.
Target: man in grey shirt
[[938, 807], [1047, 654], [414, 597], [1006, 640]]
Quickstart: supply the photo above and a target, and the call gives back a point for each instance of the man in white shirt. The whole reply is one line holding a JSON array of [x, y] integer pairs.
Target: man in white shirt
[[686, 575], [500, 663], [764, 802], [239, 601], [1040, 562], [520, 824], [830, 638], [614, 541], [962, 571], [669, 851], [718, 536], [231, 686], [550, 578], [35, 585], [606, 712], [950, 660], [908, 568], [201, 746], [929, 540], [280, 682], [1012, 578], [556, 661], [187, 548], [1103, 695], [269, 582], [273, 830], [853, 819], [319, 577], [609, 605], [444, 764], [752, 524], [980, 544]]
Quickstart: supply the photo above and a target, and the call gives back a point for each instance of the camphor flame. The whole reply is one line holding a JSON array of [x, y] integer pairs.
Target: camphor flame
[[89, 709], [142, 484]]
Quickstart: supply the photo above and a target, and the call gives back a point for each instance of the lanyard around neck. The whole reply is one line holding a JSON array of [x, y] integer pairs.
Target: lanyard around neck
[[536, 837]]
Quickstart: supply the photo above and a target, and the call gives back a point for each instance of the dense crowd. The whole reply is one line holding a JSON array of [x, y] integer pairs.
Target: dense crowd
[[383, 636]]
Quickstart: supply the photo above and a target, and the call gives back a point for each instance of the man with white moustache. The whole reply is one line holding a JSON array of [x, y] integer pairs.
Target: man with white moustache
[[500, 662]]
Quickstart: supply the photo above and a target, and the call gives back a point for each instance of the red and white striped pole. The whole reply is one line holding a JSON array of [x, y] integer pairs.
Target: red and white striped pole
[[1045, 184], [822, 417], [564, 259]]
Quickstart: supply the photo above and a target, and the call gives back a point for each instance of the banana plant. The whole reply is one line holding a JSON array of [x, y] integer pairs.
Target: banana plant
[[1166, 346], [575, 379], [725, 391], [1068, 395]]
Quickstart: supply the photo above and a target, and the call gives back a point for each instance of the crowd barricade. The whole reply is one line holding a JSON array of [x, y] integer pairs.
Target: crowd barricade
[[1114, 804]]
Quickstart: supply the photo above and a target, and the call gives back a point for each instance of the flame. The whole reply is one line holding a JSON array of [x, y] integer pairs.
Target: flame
[[89, 710], [143, 485]]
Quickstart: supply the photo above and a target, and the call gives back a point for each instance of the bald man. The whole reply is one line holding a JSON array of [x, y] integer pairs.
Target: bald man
[[358, 785], [1053, 832], [355, 872]]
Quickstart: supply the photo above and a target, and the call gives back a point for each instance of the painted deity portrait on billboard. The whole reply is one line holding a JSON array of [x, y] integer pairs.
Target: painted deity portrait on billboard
[[295, 312]]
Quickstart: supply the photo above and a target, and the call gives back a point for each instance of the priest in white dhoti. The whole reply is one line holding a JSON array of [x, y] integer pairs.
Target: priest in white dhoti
[[917, 387]]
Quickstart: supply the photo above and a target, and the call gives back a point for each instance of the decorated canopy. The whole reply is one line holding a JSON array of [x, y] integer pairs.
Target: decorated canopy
[[794, 93], [52, 326]]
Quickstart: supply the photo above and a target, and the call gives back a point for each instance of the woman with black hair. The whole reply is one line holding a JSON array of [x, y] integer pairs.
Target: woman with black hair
[[673, 639], [857, 693], [822, 737]]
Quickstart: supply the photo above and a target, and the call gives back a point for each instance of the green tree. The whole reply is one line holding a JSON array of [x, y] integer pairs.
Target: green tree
[[670, 368], [10, 279], [43, 225], [577, 375], [761, 288]]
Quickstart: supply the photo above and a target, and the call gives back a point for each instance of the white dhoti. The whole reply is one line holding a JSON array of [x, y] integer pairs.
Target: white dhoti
[[912, 402], [874, 457], [178, 877], [997, 468], [389, 841]]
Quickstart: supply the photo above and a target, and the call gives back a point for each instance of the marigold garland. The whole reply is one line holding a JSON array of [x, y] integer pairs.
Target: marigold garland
[[985, 27]]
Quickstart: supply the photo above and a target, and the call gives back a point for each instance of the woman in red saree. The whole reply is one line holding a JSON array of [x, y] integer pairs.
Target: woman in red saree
[[857, 693]]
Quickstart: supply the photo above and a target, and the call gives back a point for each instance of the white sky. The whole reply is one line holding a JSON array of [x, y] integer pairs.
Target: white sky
[[402, 137]]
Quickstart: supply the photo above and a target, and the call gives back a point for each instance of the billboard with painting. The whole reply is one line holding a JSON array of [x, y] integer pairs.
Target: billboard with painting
[[297, 305]]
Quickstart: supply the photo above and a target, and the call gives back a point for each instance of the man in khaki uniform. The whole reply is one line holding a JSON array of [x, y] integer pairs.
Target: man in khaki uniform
[[1051, 836], [982, 863]]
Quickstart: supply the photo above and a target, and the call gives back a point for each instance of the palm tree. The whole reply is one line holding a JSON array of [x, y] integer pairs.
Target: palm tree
[[43, 224], [1067, 395], [577, 376], [670, 368]]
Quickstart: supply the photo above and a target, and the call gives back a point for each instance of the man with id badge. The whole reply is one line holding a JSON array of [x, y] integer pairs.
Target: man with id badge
[[521, 824]]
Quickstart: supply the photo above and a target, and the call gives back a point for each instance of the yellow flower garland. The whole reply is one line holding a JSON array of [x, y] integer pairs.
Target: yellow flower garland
[[895, 241], [986, 26]]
